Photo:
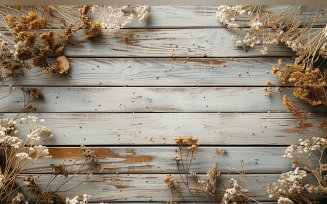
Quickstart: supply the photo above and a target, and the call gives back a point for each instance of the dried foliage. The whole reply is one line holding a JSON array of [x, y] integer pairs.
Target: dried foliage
[[31, 38], [114, 18], [292, 186], [33, 31], [286, 27], [19, 155], [296, 111], [232, 191]]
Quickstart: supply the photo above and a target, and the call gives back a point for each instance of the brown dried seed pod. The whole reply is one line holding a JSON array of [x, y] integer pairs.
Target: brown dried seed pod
[[63, 64]]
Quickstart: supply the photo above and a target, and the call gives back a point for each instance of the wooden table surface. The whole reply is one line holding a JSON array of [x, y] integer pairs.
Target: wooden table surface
[[202, 96]]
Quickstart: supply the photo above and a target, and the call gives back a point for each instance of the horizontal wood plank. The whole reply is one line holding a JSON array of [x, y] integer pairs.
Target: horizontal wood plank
[[144, 72], [139, 128], [126, 202], [168, 16], [151, 187], [153, 99], [214, 42], [161, 159], [183, 16]]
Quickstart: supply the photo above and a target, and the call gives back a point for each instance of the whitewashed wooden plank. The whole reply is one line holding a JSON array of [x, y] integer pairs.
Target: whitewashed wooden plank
[[151, 187], [152, 99], [210, 128], [161, 159], [171, 16], [180, 16], [162, 43], [317, 202], [144, 72]]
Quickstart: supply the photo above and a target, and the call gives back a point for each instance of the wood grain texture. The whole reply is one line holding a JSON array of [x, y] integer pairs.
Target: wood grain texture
[[150, 99], [210, 128], [151, 187], [144, 72], [167, 16], [162, 43], [177, 16], [161, 159], [150, 112], [138, 202], [126, 202]]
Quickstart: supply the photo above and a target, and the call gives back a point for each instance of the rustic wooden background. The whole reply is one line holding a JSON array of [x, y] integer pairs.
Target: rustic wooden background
[[114, 83]]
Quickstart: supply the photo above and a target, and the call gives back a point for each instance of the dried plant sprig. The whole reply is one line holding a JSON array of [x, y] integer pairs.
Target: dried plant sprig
[[51, 197], [210, 184], [234, 192], [89, 159], [292, 185], [309, 44], [113, 18], [86, 199], [30, 95], [296, 111], [286, 24], [34, 36], [19, 155], [174, 186]]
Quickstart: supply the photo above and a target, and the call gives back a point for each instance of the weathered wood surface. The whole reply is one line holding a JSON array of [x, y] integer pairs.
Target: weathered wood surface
[[161, 159], [175, 107], [205, 16], [143, 72], [210, 128], [151, 187], [179, 16], [125, 202], [153, 99], [162, 43]]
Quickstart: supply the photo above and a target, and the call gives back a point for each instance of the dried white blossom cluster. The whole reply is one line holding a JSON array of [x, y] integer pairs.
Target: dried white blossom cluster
[[305, 147], [7, 139], [286, 25], [289, 185], [323, 50], [113, 17], [225, 11], [1, 179], [282, 200], [18, 199], [6, 56], [251, 39], [86, 199], [234, 192]]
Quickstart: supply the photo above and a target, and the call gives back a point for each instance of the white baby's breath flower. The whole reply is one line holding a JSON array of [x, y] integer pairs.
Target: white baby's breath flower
[[113, 17], [238, 43], [22, 156], [282, 200]]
